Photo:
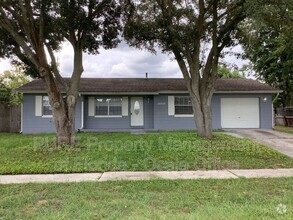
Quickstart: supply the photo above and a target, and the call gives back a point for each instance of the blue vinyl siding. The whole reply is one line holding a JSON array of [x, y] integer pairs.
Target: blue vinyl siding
[[163, 121], [155, 115], [92, 122], [39, 124], [149, 112]]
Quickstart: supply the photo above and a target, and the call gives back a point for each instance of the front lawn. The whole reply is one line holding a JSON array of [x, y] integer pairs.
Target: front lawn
[[155, 199], [97, 152]]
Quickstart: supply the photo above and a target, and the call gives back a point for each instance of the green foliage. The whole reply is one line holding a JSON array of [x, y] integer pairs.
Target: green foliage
[[175, 25], [86, 24], [196, 33], [225, 72], [268, 44], [33, 30], [96, 152], [9, 81]]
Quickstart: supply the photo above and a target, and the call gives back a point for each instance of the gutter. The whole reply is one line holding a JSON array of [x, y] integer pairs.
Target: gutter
[[273, 113], [160, 92], [82, 113], [21, 118]]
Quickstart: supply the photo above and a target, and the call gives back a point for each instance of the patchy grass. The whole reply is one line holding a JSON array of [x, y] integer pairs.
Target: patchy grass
[[155, 199], [97, 152], [284, 129]]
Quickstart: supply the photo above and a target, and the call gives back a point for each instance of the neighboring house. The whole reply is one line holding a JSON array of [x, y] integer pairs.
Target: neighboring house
[[160, 104]]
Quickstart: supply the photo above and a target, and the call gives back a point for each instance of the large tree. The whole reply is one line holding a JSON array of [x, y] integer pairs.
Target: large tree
[[31, 29], [195, 32], [268, 43]]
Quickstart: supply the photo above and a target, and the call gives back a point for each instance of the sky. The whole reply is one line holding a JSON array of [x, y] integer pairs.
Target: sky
[[123, 62]]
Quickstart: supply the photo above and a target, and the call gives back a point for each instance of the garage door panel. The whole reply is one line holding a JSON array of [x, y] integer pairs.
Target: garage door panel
[[240, 113]]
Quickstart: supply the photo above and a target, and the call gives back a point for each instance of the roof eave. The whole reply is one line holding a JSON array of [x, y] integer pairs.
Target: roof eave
[[118, 93], [251, 92], [221, 92], [157, 93]]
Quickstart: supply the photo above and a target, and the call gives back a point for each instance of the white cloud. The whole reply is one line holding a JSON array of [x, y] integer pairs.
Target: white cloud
[[122, 62]]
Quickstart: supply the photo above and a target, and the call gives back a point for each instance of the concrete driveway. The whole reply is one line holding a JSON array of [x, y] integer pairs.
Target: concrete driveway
[[279, 141]]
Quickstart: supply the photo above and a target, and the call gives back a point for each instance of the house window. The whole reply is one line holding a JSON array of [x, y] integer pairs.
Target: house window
[[47, 109], [109, 106], [183, 105]]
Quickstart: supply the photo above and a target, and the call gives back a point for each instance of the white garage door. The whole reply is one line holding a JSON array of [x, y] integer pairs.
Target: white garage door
[[240, 113]]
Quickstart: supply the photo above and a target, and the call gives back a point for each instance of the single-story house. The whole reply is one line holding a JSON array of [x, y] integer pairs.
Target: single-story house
[[157, 103]]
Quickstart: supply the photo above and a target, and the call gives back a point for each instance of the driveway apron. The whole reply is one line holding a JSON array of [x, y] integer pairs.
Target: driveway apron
[[279, 141]]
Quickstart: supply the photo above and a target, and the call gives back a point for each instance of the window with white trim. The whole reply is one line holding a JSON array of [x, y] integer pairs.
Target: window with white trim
[[106, 106], [183, 105], [46, 107]]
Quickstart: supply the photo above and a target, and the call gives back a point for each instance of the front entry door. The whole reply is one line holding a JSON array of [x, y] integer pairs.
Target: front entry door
[[136, 110]]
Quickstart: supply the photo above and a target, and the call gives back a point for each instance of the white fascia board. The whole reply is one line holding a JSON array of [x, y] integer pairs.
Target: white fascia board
[[249, 92], [34, 92], [157, 93], [119, 93], [225, 92]]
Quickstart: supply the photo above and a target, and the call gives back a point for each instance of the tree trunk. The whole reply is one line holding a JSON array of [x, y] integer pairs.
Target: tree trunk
[[202, 115], [65, 121], [63, 109]]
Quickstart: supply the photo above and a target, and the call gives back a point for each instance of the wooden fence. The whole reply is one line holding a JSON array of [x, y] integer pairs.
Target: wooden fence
[[10, 118]]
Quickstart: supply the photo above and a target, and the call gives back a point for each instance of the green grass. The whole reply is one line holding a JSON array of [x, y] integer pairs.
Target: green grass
[[155, 199], [284, 129], [97, 152]]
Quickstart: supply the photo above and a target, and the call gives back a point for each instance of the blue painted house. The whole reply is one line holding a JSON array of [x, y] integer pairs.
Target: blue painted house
[[159, 104]]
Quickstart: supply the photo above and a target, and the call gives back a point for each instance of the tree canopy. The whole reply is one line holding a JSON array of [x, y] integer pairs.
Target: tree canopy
[[9, 81], [268, 44], [33, 30], [195, 32], [225, 72]]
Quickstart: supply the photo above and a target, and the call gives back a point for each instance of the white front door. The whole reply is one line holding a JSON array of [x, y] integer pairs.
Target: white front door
[[136, 110], [240, 113]]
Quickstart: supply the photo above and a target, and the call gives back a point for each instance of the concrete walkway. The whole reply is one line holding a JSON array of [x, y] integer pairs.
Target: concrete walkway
[[146, 175], [280, 141]]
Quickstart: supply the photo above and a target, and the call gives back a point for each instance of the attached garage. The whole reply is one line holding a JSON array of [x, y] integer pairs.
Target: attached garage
[[240, 113]]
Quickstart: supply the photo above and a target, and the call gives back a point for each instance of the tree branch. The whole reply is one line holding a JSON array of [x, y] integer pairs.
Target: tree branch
[[8, 26], [54, 67]]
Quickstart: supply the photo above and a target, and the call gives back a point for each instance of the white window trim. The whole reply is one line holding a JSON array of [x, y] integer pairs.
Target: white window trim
[[38, 105], [171, 105], [125, 108], [182, 115], [45, 116], [108, 116]]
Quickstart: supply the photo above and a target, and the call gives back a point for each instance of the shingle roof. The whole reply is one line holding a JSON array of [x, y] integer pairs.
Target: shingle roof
[[120, 85]]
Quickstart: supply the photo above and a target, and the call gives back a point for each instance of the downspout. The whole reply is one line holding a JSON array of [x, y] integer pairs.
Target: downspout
[[277, 96], [273, 115], [82, 114], [21, 118]]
